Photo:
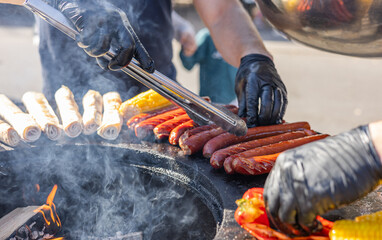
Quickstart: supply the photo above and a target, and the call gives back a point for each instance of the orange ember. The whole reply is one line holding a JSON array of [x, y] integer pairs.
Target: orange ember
[[37, 187]]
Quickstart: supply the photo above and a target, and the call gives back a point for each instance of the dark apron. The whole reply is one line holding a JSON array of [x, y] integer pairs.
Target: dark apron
[[64, 63]]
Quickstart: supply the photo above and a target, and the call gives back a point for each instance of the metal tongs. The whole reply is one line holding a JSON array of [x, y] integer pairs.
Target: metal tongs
[[201, 111]]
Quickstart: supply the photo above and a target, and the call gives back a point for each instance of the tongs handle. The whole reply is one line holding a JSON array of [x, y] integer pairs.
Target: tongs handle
[[201, 111]]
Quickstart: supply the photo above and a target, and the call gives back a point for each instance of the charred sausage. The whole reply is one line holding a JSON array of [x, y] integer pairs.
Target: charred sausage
[[145, 128], [271, 149], [133, 121], [196, 142], [254, 165], [228, 139], [218, 157], [163, 130], [195, 131], [179, 130]]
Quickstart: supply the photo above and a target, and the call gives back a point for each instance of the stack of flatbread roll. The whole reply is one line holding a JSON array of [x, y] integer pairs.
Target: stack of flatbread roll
[[112, 120], [69, 113], [92, 117], [8, 134], [23, 123], [38, 107], [16, 125]]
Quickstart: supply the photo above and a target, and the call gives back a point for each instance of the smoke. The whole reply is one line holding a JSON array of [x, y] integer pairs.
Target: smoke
[[100, 193]]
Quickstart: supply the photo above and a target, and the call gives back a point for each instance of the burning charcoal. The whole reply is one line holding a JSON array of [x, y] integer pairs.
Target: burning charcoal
[[31, 222]]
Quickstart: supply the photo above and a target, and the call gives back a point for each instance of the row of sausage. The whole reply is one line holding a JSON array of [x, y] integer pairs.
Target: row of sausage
[[252, 154]]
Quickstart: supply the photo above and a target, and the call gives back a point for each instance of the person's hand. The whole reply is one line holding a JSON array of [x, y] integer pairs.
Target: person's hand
[[257, 79], [310, 180], [187, 40], [103, 27]]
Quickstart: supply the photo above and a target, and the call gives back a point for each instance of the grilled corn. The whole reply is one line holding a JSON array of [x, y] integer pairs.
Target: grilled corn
[[143, 102], [365, 227]]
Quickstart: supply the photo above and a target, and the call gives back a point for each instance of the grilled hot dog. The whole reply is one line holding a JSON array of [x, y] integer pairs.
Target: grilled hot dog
[[271, 149], [228, 139], [218, 157]]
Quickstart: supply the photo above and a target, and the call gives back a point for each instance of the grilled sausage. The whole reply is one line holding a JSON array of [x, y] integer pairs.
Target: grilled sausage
[[179, 130], [228, 139], [196, 142], [145, 128], [195, 131], [218, 157], [271, 149], [163, 130], [254, 165], [133, 121]]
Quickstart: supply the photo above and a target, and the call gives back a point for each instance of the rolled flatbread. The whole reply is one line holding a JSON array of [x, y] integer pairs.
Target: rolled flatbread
[[8, 134], [41, 111], [112, 120], [69, 113], [92, 117], [23, 123]]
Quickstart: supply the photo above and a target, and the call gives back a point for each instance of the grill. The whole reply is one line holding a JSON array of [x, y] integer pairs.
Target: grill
[[125, 187]]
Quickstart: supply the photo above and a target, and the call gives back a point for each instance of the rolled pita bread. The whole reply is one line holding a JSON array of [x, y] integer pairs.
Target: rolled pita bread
[[41, 111], [23, 123], [69, 113], [92, 117], [8, 134], [112, 120]]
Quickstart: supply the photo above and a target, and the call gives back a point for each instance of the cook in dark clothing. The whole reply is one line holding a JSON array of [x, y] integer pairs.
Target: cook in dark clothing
[[65, 64]]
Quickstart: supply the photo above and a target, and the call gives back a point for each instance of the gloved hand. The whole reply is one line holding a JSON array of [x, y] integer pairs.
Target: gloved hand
[[310, 180], [256, 79], [102, 27]]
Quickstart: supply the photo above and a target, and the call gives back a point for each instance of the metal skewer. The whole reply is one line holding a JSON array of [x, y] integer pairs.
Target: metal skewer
[[201, 111]]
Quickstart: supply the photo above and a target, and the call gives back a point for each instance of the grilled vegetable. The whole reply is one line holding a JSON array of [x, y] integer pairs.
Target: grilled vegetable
[[362, 228], [251, 216], [143, 102], [251, 207]]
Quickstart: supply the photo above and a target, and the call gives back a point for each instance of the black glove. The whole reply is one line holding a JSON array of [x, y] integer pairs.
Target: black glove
[[256, 79], [102, 27], [310, 180]]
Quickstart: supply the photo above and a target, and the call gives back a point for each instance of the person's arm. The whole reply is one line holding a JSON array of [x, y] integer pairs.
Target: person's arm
[[14, 2], [184, 33], [317, 177], [200, 53], [231, 28], [376, 136], [261, 94]]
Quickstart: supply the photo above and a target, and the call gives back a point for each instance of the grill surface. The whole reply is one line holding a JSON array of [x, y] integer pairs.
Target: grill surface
[[213, 188]]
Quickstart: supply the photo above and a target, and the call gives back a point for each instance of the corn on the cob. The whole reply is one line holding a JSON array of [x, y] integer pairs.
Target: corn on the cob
[[143, 102], [374, 217], [365, 227]]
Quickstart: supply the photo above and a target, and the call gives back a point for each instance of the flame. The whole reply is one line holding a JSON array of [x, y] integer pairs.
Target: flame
[[38, 188], [50, 209], [50, 198]]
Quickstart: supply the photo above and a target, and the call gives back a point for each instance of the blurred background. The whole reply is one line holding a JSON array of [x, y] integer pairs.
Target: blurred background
[[332, 92]]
